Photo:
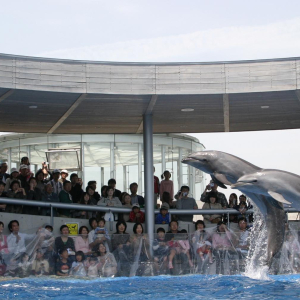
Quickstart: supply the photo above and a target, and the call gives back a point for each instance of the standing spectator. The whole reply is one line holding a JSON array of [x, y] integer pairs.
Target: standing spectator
[[57, 186], [34, 194], [156, 187], [221, 198], [93, 184], [40, 180], [126, 204], [185, 202], [13, 176], [23, 177], [166, 185], [63, 176], [65, 197], [136, 215], [49, 196], [76, 190], [90, 191], [15, 192], [3, 174], [3, 195], [25, 161], [112, 183], [134, 197]]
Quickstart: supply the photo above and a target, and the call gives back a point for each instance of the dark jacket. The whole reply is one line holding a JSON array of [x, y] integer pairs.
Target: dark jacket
[[35, 195]]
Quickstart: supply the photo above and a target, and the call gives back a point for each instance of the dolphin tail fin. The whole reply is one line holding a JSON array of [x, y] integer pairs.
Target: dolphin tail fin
[[278, 197], [216, 181]]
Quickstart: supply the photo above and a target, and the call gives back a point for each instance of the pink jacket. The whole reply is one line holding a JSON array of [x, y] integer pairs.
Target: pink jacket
[[82, 245]]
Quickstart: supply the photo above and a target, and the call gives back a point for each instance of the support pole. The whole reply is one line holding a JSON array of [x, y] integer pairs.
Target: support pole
[[148, 175]]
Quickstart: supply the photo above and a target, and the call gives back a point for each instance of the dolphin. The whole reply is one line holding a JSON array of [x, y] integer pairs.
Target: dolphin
[[280, 185], [227, 169]]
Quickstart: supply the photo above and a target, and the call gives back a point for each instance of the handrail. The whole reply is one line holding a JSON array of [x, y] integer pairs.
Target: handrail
[[75, 206]]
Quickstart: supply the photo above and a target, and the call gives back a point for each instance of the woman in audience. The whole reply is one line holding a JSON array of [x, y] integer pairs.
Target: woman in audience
[[82, 241], [215, 218], [126, 200], [40, 180], [3, 194], [3, 241], [15, 192], [232, 204], [83, 214], [166, 185], [13, 177], [90, 191], [107, 261], [65, 242]]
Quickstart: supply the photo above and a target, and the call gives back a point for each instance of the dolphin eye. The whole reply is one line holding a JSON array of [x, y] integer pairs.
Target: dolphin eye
[[204, 159]]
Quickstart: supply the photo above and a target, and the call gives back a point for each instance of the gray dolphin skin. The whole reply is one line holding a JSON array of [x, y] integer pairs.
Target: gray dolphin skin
[[227, 169], [282, 186]]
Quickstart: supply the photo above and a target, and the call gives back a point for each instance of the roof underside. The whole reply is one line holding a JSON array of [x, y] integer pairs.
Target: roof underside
[[87, 97]]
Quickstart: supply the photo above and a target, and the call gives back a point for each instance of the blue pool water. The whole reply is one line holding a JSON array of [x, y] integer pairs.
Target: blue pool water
[[160, 287]]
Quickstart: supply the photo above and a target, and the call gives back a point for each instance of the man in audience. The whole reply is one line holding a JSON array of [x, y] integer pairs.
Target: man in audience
[[221, 198], [49, 196], [136, 199], [40, 265], [3, 174], [57, 185], [65, 197], [93, 243], [185, 202], [112, 182], [34, 194], [63, 176], [76, 190], [23, 177]]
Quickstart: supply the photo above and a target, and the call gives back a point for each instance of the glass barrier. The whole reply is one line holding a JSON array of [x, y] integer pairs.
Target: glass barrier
[[217, 250]]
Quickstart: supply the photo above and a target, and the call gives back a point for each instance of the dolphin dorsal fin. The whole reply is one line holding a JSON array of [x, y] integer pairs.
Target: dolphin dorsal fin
[[278, 197], [222, 178]]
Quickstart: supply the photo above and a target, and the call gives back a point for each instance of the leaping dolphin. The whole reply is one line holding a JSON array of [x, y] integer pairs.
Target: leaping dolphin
[[280, 185], [227, 169]]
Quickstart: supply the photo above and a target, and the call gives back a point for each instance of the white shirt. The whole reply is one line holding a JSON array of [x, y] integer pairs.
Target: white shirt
[[20, 246]]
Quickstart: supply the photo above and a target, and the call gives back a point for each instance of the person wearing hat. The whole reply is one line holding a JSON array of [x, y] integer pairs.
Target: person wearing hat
[[14, 173], [56, 185], [136, 215], [23, 177], [163, 217], [63, 176]]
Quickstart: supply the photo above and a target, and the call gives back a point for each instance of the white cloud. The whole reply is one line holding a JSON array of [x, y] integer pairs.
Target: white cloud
[[280, 39]]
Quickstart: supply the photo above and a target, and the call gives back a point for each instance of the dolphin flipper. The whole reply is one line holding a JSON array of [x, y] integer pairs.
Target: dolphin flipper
[[278, 197], [216, 181]]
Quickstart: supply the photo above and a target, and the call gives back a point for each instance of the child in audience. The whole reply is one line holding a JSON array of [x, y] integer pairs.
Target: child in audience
[[93, 267], [24, 267], [136, 215], [101, 231], [185, 245], [166, 185], [40, 265], [160, 247], [163, 217], [63, 266], [78, 266]]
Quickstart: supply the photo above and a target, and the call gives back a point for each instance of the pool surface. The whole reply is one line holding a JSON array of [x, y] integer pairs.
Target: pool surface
[[158, 287]]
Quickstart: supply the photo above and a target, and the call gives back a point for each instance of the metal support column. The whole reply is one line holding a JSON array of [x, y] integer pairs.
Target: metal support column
[[180, 172], [163, 159], [140, 182], [112, 161], [148, 174]]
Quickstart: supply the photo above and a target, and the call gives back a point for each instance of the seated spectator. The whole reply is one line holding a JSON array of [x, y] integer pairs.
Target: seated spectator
[[135, 198], [136, 215], [16, 241], [201, 242], [110, 200], [126, 200], [64, 241], [79, 266], [184, 245], [242, 208], [185, 202], [63, 265], [76, 190], [82, 241], [48, 245], [3, 194], [232, 204], [49, 196], [84, 214], [91, 192], [112, 183], [101, 232], [23, 176], [40, 265], [121, 248], [103, 191], [163, 217], [65, 197], [57, 185], [15, 192], [166, 185], [93, 184], [24, 266], [212, 187], [243, 240], [215, 218], [107, 262], [136, 239], [93, 243], [93, 267], [161, 250], [33, 194], [3, 242], [13, 177], [3, 175], [63, 176]]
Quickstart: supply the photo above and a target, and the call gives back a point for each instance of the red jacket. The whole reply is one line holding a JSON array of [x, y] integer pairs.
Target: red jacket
[[132, 217]]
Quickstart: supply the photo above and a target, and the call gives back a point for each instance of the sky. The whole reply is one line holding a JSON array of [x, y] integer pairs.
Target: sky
[[166, 31]]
